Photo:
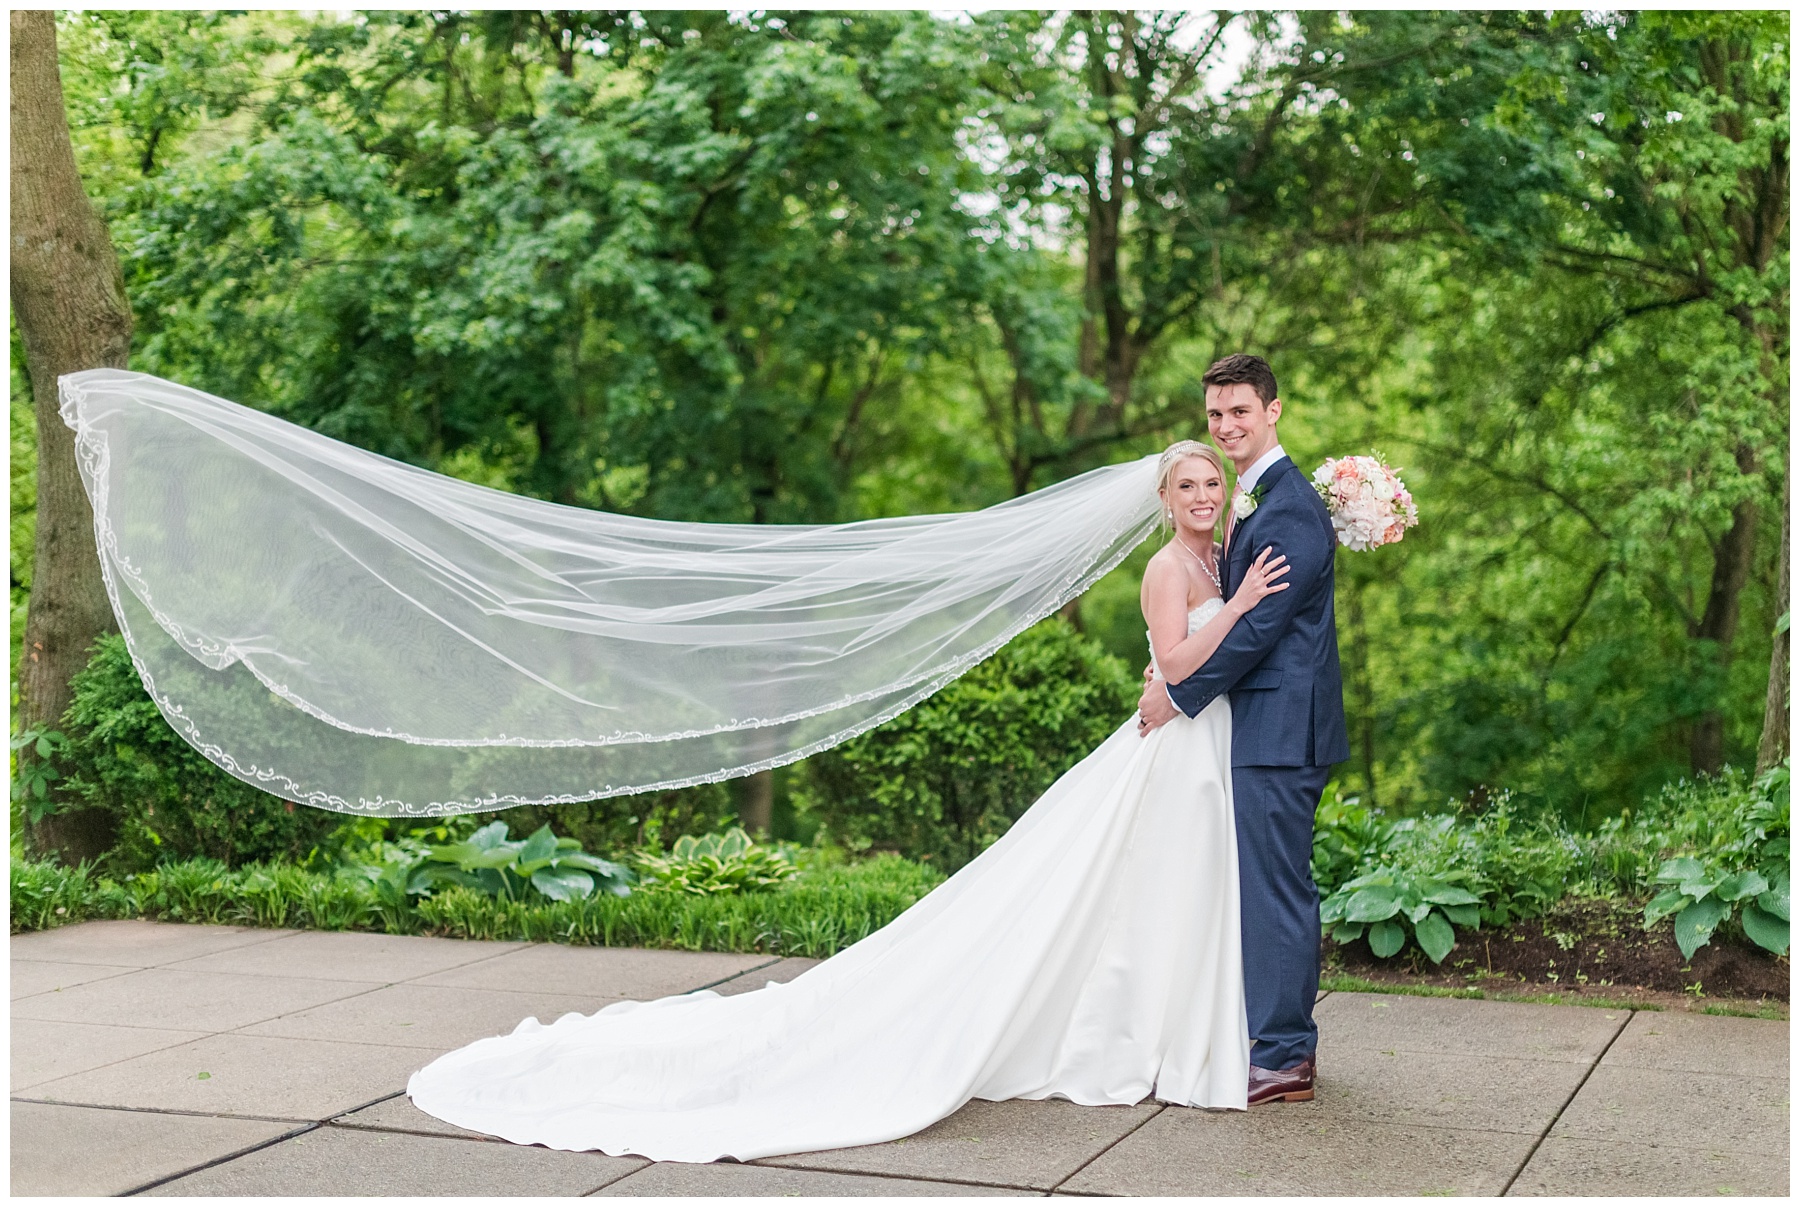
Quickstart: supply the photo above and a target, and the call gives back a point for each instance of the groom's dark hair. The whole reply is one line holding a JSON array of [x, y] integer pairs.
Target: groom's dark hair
[[1252, 371]]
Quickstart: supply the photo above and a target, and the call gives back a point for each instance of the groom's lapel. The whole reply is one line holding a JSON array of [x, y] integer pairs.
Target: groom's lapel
[[1239, 555]]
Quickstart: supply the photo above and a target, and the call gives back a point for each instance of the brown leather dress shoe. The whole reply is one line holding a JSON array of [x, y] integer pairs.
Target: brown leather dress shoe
[[1282, 1085]]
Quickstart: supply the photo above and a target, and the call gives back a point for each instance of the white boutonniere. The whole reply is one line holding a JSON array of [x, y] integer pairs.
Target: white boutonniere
[[1243, 504]]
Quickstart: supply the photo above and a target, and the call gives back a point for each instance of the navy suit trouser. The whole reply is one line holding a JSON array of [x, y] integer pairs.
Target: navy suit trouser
[[1279, 908]]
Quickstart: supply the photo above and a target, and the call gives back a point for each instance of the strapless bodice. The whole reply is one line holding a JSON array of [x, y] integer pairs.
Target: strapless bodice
[[1196, 617]]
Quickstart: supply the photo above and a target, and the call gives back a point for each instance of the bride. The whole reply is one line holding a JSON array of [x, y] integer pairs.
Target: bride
[[1092, 953]]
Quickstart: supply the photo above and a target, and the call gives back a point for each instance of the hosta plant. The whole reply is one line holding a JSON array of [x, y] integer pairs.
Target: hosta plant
[[717, 863], [1386, 903], [488, 862], [1743, 879], [1703, 896]]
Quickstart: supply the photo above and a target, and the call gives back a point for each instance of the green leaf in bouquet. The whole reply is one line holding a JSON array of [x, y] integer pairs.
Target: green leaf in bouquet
[[1765, 929], [1694, 925], [1435, 936], [1386, 938], [1373, 904]]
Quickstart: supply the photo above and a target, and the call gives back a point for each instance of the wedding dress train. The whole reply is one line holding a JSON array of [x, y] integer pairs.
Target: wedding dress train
[[1092, 953]]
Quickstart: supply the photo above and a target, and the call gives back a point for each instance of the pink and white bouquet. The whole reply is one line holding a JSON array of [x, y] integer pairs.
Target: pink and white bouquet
[[1369, 505]]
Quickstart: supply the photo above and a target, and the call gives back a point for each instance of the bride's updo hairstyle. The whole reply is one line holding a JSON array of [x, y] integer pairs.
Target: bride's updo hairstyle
[[1174, 455]]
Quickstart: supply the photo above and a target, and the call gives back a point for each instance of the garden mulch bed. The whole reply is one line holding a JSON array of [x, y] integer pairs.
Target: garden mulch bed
[[1584, 949]]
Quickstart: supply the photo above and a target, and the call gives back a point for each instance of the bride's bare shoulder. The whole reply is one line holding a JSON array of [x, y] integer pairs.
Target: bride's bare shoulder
[[1163, 576], [1162, 563]]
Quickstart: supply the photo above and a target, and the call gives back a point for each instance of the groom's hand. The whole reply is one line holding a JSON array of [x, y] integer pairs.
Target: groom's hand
[[1155, 709]]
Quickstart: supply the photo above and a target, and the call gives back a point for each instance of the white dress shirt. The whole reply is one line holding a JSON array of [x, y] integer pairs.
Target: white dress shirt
[[1248, 479]]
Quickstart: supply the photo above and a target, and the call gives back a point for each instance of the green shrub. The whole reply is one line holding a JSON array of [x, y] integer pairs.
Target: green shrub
[[622, 822], [47, 894], [717, 863], [487, 862], [1736, 873], [1729, 820], [1424, 877], [166, 800], [817, 913], [943, 780]]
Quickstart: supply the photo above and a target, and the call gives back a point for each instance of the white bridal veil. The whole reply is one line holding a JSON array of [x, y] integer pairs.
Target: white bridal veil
[[358, 634]]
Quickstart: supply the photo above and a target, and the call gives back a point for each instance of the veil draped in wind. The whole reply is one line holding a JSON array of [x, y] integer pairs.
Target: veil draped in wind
[[357, 634]]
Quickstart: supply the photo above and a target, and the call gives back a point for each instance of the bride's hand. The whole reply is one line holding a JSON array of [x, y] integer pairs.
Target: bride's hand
[[1259, 580]]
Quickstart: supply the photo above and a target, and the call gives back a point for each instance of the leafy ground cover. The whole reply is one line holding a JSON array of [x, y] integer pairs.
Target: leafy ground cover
[[1709, 855], [818, 911], [1581, 949]]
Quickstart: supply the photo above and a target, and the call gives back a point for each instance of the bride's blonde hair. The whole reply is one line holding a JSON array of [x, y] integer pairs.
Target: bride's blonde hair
[[1174, 455]]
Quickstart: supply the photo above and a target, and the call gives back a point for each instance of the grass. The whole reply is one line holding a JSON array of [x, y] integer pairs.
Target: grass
[[818, 914], [1338, 983], [1747, 1010]]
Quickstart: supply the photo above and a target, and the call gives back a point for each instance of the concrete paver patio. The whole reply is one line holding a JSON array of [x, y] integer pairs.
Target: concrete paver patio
[[214, 1060]]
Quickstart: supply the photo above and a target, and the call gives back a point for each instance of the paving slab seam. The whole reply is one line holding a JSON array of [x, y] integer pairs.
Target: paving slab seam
[[217, 1161], [611, 1182], [734, 976], [476, 962], [109, 1064], [162, 1110], [389, 1129], [776, 1163], [123, 971], [365, 1106], [1539, 1142], [1160, 1108]]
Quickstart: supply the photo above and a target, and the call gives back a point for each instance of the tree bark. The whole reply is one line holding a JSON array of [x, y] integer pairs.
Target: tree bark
[[1774, 745], [1718, 625], [69, 300], [756, 807]]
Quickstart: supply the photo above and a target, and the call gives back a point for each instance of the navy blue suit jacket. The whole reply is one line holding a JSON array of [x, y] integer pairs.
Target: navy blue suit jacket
[[1280, 661]]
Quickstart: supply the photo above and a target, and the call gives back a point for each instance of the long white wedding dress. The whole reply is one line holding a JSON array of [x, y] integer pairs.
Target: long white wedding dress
[[1092, 953]]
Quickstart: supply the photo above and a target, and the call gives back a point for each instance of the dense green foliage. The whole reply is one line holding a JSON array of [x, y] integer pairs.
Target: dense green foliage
[[540, 867], [817, 914], [1720, 844], [943, 780], [820, 266], [715, 864], [165, 799]]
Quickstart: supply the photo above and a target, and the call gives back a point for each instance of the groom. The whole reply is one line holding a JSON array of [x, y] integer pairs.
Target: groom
[[1280, 665]]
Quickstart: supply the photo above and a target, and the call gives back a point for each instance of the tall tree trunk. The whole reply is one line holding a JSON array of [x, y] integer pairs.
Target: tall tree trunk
[[1774, 745], [756, 805], [69, 300], [1718, 625]]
